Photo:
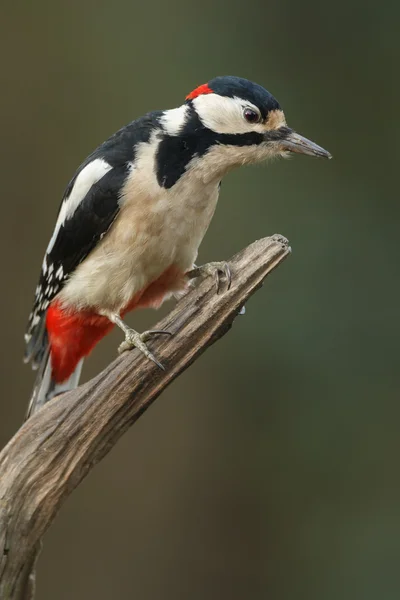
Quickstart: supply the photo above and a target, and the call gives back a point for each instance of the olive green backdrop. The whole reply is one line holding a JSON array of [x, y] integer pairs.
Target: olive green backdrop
[[270, 468]]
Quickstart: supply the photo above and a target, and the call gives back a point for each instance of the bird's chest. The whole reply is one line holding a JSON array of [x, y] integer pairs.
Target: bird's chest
[[186, 214], [157, 231], [166, 226]]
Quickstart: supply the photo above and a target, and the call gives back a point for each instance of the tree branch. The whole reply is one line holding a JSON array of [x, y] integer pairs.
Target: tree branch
[[55, 449]]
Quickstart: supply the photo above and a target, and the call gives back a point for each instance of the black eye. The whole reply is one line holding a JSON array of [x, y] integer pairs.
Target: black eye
[[251, 115]]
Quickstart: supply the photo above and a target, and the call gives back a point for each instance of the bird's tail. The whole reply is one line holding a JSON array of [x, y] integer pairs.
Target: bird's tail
[[46, 387]]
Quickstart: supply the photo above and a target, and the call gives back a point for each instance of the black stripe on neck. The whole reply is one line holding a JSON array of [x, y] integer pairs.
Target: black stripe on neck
[[175, 152]]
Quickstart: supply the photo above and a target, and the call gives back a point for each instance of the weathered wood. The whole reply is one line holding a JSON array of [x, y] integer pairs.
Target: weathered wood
[[54, 450]]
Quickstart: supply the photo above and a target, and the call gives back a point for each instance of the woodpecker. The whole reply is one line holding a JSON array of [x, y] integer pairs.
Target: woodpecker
[[133, 216]]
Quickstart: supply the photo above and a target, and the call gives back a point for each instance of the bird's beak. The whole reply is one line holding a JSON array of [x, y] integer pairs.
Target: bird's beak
[[295, 142]]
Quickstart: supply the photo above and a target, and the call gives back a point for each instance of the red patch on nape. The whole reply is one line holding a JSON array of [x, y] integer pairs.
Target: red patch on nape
[[199, 91]]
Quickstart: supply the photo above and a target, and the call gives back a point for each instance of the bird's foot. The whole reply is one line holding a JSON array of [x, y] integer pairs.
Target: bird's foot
[[133, 339], [219, 270]]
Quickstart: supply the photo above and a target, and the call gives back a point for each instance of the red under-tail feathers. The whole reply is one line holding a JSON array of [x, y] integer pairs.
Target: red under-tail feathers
[[73, 335]]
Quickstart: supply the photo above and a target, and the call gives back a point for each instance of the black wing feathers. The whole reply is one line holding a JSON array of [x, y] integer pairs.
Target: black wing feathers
[[91, 220], [77, 236], [89, 223]]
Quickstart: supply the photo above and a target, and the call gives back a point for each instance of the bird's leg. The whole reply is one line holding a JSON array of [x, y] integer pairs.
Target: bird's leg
[[216, 269], [133, 339]]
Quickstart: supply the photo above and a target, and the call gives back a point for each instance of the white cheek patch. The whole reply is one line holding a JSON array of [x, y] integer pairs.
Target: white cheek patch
[[225, 115]]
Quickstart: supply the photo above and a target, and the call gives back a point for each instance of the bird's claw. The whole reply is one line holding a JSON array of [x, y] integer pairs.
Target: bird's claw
[[215, 269], [133, 339]]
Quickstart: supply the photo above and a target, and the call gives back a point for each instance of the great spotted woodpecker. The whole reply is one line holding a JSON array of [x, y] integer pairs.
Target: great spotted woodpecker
[[133, 216]]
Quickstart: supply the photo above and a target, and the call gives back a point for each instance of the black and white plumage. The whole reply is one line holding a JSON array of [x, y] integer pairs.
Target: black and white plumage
[[88, 208], [136, 211]]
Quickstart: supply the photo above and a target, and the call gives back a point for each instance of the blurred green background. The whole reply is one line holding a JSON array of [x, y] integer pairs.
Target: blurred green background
[[270, 468]]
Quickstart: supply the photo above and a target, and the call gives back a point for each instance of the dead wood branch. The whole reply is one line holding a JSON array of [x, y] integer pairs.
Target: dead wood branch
[[54, 450]]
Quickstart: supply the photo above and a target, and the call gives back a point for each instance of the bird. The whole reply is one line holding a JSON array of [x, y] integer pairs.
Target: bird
[[133, 216]]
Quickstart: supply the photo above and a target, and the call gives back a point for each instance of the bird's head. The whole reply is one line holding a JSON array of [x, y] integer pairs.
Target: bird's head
[[240, 122]]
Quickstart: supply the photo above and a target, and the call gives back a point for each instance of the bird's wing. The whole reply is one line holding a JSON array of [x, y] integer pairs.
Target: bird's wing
[[85, 216], [88, 209]]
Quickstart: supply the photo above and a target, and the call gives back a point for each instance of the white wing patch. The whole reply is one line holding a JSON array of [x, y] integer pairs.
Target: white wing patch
[[51, 280], [89, 175]]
